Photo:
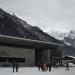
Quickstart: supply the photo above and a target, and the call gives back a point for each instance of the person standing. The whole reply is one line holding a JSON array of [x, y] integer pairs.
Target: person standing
[[39, 66], [17, 65], [13, 65], [50, 65], [67, 66]]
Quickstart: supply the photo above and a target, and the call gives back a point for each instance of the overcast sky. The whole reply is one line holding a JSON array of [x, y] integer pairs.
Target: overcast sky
[[49, 15]]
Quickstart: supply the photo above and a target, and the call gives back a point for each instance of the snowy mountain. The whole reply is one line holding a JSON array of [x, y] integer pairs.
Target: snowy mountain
[[58, 35], [68, 38]]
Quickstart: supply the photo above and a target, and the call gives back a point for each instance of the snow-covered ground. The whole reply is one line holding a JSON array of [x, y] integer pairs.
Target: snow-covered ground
[[35, 71]]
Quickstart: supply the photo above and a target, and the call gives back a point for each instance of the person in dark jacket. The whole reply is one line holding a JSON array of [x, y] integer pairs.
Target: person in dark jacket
[[17, 65], [67, 66], [39, 66], [50, 65], [13, 65]]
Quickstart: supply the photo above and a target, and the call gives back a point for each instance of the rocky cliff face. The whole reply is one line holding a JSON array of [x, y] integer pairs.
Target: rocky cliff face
[[11, 25]]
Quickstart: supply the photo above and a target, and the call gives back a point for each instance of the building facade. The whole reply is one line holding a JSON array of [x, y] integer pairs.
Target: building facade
[[32, 51]]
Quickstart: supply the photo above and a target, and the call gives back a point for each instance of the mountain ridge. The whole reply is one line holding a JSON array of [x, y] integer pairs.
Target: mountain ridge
[[11, 25]]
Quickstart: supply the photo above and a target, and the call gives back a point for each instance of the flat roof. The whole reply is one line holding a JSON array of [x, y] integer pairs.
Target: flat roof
[[16, 41]]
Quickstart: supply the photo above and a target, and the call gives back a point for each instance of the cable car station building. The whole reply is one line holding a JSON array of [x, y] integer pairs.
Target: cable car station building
[[28, 52]]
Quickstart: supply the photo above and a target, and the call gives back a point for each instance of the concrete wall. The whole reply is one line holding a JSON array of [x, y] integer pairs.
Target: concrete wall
[[27, 53]]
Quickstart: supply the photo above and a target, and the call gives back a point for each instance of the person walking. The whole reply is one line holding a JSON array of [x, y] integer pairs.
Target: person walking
[[67, 66]]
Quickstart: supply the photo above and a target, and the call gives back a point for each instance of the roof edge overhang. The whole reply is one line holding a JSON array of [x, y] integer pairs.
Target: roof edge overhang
[[10, 40]]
